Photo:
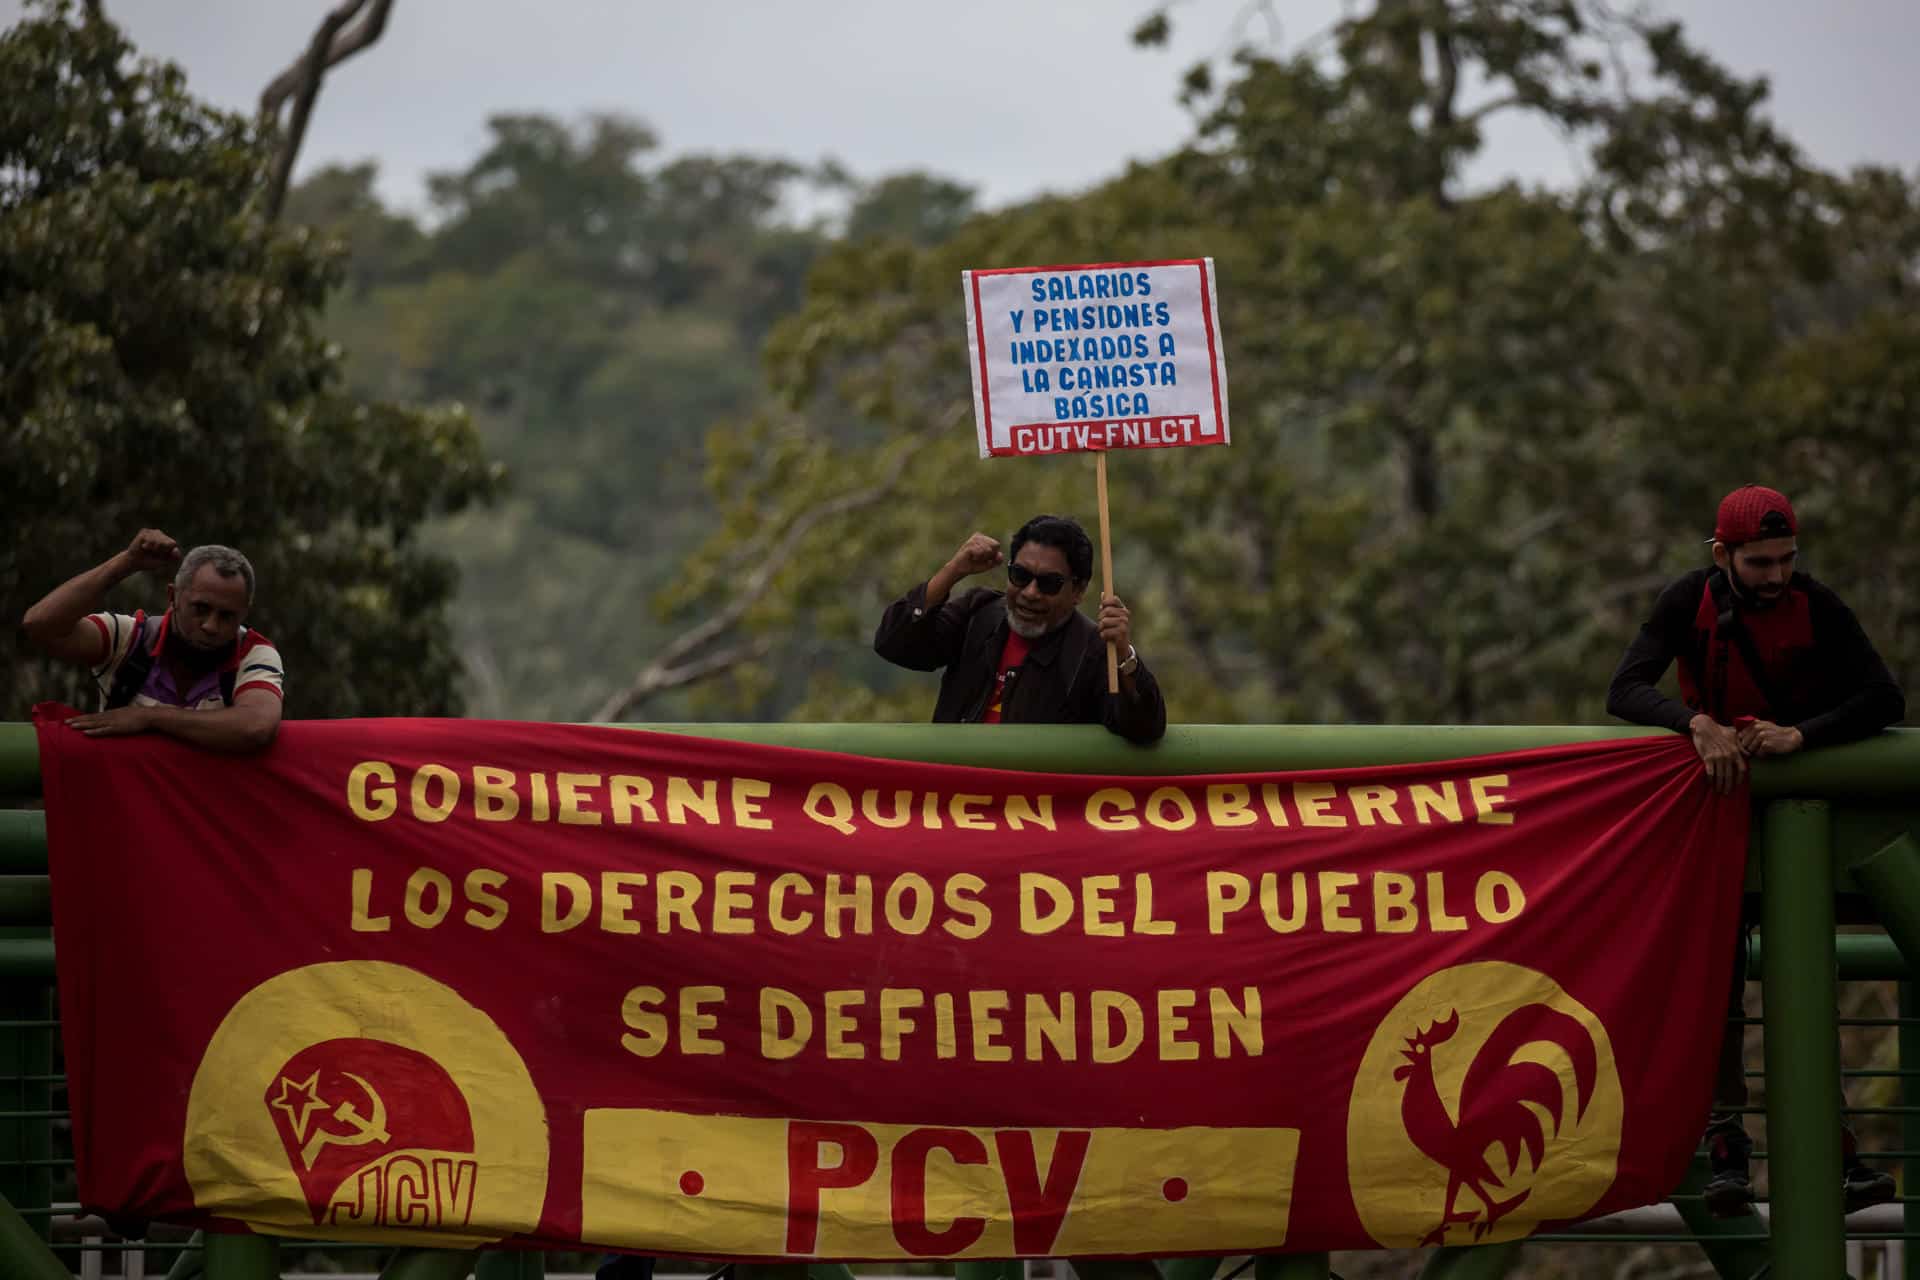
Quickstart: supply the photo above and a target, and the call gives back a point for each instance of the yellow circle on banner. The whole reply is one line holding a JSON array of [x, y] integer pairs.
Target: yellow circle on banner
[[1487, 1103], [365, 1101]]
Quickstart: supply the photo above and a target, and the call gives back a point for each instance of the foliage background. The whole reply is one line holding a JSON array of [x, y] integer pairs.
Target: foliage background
[[1477, 425]]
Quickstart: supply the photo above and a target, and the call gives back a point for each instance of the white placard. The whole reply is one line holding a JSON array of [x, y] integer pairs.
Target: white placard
[[1081, 359]]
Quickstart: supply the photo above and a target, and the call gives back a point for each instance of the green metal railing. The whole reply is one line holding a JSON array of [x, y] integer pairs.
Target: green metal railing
[[1828, 823]]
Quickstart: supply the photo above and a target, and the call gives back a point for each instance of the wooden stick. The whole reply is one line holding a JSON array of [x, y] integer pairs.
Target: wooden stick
[[1106, 564]]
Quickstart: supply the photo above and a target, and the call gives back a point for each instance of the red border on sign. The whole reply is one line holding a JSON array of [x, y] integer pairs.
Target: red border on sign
[[1213, 363], [980, 336], [1093, 425]]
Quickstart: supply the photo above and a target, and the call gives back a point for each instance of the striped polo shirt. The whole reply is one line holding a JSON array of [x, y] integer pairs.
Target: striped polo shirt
[[254, 662]]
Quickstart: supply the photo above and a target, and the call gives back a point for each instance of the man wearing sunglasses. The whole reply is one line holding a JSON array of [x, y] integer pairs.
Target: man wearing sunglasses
[[1026, 655]]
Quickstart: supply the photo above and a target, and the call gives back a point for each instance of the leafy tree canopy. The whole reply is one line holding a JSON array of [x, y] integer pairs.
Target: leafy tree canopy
[[161, 363], [600, 304]]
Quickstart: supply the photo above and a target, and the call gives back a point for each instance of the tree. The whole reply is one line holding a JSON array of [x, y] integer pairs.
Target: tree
[[351, 27], [1476, 426], [161, 364], [599, 304], [385, 247], [923, 208]]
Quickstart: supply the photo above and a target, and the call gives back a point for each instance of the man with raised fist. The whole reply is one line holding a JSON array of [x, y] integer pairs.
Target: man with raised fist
[[1025, 655], [196, 672]]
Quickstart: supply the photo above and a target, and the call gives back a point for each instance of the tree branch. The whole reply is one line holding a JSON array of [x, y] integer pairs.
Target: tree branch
[[330, 46], [659, 677], [1440, 103], [340, 47], [1447, 86], [1493, 106], [676, 668]]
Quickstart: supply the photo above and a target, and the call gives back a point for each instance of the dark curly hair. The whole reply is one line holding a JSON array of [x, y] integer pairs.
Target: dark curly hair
[[1063, 534]]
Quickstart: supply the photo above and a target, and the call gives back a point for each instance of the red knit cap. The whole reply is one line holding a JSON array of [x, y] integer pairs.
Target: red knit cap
[[1752, 512]]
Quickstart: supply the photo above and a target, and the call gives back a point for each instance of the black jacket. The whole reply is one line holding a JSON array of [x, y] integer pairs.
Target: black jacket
[[1063, 680], [1837, 691]]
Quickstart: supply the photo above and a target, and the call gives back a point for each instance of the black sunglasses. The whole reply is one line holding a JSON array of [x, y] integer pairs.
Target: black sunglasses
[[1049, 583]]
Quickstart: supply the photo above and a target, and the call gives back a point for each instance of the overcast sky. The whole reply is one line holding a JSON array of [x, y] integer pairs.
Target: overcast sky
[[1012, 96]]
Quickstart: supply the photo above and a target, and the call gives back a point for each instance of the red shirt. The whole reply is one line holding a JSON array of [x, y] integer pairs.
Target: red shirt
[[1011, 657]]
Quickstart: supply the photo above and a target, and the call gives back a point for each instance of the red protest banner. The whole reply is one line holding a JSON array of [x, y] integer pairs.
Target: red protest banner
[[441, 981]]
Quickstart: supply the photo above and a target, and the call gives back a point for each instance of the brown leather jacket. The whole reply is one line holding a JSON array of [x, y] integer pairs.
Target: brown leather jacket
[[1063, 680]]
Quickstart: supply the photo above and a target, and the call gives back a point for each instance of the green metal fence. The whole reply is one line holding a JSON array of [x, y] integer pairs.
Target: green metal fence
[[1832, 827]]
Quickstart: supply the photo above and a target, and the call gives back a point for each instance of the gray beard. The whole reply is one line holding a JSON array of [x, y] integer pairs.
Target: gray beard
[[1024, 629]]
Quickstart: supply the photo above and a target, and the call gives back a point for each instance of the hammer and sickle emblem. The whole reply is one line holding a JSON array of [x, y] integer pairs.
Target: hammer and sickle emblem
[[361, 1129]]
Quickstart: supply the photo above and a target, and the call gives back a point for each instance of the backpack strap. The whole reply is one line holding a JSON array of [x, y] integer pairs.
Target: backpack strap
[[1729, 624], [131, 675], [229, 677]]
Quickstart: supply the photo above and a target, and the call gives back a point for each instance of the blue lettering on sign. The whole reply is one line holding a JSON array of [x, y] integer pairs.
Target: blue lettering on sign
[[1103, 377], [1118, 404], [1084, 339], [1091, 284], [1125, 346], [1132, 315]]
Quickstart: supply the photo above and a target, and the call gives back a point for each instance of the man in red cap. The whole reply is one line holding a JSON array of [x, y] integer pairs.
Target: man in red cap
[[1771, 662]]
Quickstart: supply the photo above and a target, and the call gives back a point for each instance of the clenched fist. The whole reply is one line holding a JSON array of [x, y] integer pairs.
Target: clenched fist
[[977, 554], [152, 549]]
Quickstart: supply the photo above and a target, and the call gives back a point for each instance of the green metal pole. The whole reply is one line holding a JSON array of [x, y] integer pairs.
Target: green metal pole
[[1883, 765], [1292, 1266], [192, 1262], [1731, 1259], [1189, 1268], [1861, 957], [1803, 1055], [1880, 766], [1116, 1268], [26, 958], [1910, 1128], [1891, 878], [511, 1264], [26, 900], [1210, 748], [1481, 1262], [993, 1269], [19, 761], [430, 1264], [771, 1271], [242, 1257], [23, 1254], [26, 1062], [23, 842]]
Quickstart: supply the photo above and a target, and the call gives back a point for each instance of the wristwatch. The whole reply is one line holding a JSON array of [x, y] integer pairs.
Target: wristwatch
[[1131, 662]]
